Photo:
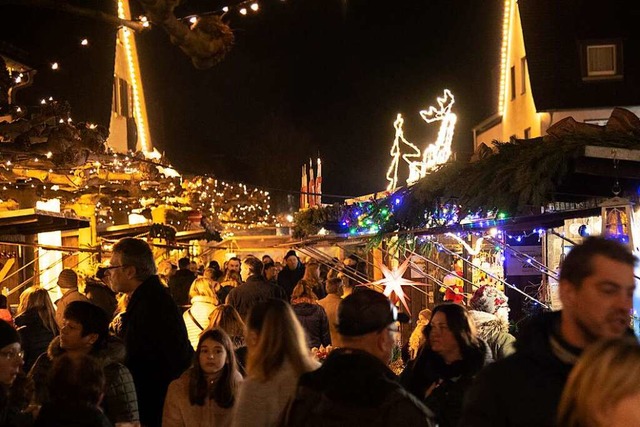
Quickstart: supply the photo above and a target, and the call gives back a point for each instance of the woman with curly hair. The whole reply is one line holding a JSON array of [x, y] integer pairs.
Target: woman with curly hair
[[205, 394]]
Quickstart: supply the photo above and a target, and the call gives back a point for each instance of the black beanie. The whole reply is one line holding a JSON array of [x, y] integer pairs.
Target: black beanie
[[290, 253], [8, 334]]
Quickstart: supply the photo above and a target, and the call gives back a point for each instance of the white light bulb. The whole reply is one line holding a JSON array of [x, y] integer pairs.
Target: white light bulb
[[225, 9], [54, 66], [84, 42], [255, 7], [193, 19], [243, 11]]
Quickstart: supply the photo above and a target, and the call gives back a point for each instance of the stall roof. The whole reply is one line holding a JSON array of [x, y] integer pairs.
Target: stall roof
[[34, 221], [125, 230]]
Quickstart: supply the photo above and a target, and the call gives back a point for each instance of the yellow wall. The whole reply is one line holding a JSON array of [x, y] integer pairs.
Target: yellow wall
[[127, 67]]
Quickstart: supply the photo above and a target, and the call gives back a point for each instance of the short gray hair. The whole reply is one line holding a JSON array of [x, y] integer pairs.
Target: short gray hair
[[137, 253]]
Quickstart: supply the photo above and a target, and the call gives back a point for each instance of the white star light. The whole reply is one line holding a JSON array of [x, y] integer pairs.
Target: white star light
[[393, 282]]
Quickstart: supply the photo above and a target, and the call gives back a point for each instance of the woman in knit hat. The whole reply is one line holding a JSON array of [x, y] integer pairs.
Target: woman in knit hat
[[490, 312], [13, 391]]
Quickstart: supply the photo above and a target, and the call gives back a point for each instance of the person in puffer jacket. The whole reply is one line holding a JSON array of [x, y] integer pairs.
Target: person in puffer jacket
[[311, 315], [490, 312], [85, 332]]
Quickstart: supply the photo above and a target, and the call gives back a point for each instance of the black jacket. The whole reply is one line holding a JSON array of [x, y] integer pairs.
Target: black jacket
[[70, 414], [453, 381], [34, 336], [288, 279], [251, 292], [158, 349], [353, 388], [524, 389], [120, 403], [315, 323], [179, 285]]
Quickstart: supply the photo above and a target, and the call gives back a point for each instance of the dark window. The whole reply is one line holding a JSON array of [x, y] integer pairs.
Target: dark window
[[124, 97], [523, 75], [513, 82]]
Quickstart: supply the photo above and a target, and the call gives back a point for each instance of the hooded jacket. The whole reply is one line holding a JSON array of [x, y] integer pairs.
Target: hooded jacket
[[354, 388], [120, 403], [495, 333], [446, 384], [524, 389], [34, 336], [314, 320]]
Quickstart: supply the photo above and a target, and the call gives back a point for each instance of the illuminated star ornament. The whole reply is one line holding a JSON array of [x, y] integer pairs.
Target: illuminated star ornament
[[393, 282]]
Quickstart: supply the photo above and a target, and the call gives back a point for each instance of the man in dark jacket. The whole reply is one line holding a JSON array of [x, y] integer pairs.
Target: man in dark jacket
[[291, 274], [596, 289], [158, 349], [85, 331], [354, 386], [254, 290], [180, 283]]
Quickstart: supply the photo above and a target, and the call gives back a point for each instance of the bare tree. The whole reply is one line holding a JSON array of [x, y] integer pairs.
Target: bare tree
[[206, 42]]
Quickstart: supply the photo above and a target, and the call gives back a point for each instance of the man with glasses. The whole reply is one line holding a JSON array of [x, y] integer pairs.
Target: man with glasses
[[596, 289], [155, 337], [355, 386]]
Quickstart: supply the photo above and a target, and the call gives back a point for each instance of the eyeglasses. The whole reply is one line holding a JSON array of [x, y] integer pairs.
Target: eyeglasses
[[11, 355], [111, 267]]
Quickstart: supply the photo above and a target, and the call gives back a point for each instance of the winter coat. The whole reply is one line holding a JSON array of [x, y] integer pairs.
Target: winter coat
[[330, 304], [315, 323], [524, 389], [71, 415], [495, 333], [34, 336], [252, 292], [179, 285], [179, 412], [63, 302], [288, 279], [451, 381], [353, 388], [200, 310], [101, 295], [120, 403], [158, 349], [260, 403]]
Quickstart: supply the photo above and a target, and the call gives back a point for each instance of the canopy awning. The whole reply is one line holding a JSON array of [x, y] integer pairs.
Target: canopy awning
[[34, 221]]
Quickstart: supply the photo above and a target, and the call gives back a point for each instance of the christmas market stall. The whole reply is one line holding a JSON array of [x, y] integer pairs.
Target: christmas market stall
[[506, 218]]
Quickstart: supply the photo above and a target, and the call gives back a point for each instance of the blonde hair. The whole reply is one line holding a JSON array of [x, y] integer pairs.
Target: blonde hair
[[203, 287], [607, 373], [280, 339], [37, 298]]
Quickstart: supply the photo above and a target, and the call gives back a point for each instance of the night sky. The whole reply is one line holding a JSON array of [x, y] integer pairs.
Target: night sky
[[328, 76], [320, 76]]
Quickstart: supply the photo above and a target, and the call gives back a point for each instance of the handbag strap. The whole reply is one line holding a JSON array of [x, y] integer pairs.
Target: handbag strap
[[194, 320]]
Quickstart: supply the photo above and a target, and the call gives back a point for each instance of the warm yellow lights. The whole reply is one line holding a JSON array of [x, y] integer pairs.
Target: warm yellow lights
[[243, 11], [392, 172], [472, 251], [255, 7], [504, 52], [435, 153], [128, 42], [55, 66], [84, 42]]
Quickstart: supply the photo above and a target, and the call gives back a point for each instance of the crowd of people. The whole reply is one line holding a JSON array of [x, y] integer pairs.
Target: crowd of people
[[231, 346]]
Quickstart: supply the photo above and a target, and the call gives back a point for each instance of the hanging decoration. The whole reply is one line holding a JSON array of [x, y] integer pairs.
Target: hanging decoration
[[420, 163], [393, 282], [617, 214]]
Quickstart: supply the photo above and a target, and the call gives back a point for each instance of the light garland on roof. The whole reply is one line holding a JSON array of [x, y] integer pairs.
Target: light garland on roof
[[504, 55], [128, 41]]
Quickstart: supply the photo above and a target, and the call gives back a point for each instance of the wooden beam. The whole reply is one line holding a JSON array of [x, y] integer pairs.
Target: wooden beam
[[612, 153]]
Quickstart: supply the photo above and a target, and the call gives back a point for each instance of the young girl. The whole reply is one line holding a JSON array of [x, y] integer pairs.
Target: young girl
[[204, 395]]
